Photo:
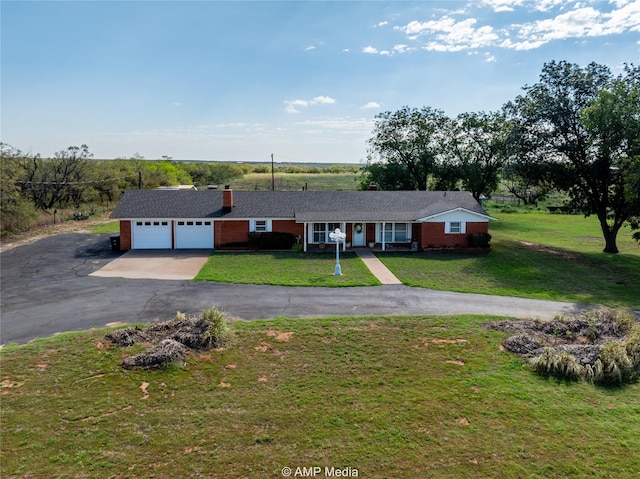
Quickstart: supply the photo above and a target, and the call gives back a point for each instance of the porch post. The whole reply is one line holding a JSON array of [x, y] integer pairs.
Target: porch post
[[383, 235], [305, 237], [344, 243]]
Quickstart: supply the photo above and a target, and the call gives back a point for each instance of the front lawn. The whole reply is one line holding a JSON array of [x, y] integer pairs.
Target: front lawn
[[534, 255], [390, 397], [286, 268]]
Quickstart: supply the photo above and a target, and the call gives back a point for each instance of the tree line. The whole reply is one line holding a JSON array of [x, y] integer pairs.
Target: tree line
[[576, 131], [72, 178]]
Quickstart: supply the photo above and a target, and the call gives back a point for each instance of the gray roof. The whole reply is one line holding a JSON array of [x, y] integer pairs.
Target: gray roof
[[302, 206]]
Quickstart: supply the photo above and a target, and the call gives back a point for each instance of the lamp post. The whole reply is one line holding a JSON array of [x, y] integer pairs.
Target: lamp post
[[337, 236]]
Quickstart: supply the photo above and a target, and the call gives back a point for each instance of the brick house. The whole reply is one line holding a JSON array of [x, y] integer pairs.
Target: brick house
[[224, 219]]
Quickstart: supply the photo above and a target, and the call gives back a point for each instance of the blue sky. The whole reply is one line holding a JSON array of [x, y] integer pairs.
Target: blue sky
[[240, 80]]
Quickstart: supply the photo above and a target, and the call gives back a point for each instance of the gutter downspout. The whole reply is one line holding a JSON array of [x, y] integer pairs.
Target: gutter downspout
[[305, 237]]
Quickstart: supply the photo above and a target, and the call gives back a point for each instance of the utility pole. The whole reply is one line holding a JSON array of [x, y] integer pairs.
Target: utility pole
[[139, 180], [273, 178]]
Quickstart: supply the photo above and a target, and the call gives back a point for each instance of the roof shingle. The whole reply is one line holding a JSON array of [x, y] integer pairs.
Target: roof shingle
[[303, 206]]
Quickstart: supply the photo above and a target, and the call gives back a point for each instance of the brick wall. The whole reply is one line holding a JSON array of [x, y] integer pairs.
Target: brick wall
[[125, 235], [432, 235], [226, 232], [288, 226]]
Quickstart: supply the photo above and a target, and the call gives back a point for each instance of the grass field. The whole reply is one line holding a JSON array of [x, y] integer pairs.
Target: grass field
[[390, 397], [296, 181], [534, 255]]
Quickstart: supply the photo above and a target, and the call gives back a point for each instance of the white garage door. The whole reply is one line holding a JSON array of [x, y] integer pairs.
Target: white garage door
[[194, 234], [152, 234]]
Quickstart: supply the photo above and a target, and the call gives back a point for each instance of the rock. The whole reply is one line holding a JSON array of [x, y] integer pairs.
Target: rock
[[522, 344], [166, 352]]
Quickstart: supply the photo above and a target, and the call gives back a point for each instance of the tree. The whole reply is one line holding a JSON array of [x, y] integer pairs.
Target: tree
[[526, 174], [56, 181], [613, 122], [478, 147], [16, 212], [568, 112], [405, 147]]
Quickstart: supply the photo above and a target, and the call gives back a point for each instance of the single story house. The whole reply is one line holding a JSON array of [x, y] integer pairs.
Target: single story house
[[219, 219]]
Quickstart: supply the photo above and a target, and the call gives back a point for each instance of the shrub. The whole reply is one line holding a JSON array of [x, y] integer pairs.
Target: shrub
[[562, 365], [272, 240], [633, 349], [218, 331], [617, 368], [81, 215], [479, 240]]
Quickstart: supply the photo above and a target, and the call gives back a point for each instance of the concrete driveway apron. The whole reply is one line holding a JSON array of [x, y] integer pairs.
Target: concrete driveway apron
[[155, 264]]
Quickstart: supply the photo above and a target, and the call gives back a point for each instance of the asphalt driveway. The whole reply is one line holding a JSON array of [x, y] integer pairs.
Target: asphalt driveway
[[47, 287]]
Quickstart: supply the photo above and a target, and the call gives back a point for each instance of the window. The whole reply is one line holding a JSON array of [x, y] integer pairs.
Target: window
[[455, 227], [396, 233], [259, 226], [321, 232]]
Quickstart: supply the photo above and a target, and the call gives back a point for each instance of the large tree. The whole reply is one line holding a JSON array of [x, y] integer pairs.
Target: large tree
[[569, 112], [478, 150], [57, 181], [405, 145]]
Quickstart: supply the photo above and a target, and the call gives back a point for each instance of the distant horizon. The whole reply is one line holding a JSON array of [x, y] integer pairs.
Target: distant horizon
[[238, 162], [235, 81]]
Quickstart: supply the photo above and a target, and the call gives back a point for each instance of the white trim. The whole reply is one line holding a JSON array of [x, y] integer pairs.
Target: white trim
[[463, 228], [381, 227], [268, 225], [454, 210]]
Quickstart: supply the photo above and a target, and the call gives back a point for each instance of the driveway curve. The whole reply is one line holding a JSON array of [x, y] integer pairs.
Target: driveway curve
[[46, 288]]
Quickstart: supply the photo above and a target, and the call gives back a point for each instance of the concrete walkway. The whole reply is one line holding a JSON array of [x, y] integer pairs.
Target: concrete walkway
[[376, 267]]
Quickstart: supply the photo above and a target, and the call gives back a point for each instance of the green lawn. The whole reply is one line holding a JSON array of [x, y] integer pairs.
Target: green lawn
[[110, 227], [534, 255], [286, 269], [391, 397]]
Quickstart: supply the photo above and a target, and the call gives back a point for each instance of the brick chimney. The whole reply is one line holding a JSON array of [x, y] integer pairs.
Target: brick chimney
[[372, 186], [227, 199]]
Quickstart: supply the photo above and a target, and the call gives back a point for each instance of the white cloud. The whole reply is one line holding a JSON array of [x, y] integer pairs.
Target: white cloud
[[293, 106], [309, 48], [589, 19], [502, 5], [452, 36], [381, 24], [371, 105], [326, 100], [578, 23]]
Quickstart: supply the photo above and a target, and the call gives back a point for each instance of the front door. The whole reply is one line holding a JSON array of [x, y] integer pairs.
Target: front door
[[359, 234]]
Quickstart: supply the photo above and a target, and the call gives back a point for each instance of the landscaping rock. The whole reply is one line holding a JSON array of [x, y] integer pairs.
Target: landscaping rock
[[127, 337], [174, 338], [522, 344], [547, 343], [166, 352]]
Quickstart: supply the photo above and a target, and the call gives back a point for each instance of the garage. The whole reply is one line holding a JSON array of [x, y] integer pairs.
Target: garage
[[194, 234], [151, 234]]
